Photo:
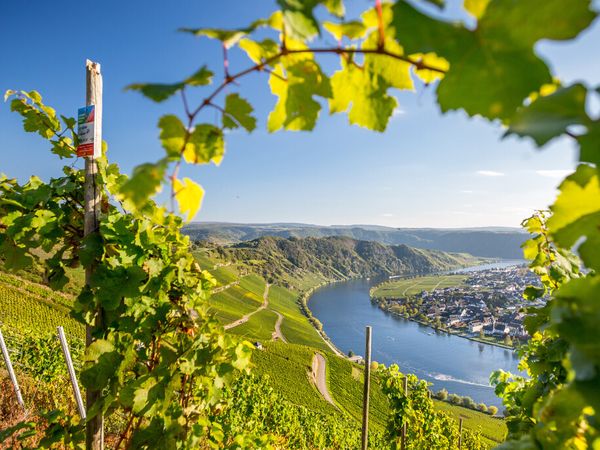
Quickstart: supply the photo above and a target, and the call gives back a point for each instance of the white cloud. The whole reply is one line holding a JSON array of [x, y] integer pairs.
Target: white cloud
[[398, 112], [490, 173], [466, 191], [387, 215], [558, 173]]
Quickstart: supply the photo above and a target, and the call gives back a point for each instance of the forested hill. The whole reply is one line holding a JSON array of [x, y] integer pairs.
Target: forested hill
[[336, 258], [487, 242]]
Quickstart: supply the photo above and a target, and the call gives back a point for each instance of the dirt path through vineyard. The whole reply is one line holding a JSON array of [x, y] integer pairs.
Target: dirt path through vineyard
[[245, 319]]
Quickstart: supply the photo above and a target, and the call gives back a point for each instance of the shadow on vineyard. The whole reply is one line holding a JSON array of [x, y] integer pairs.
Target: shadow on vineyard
[[181, 343]]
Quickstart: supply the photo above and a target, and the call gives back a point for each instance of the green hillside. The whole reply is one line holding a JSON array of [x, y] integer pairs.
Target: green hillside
[[240, 296], [298, 263], [497, 242]]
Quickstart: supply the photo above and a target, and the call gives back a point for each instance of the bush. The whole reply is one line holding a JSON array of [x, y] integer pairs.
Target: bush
[[482, 407], [493, 410], [455, 399], [442, 394], [468, 402]]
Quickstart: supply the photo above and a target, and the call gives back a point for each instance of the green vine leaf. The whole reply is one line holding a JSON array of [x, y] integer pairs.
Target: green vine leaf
[[550, 116], [172, 135], [496, 60], [160, 92], [576, 214], [365, 96], [205, 144], [259, 51], [238, 113], [352, 30], [296, 87]]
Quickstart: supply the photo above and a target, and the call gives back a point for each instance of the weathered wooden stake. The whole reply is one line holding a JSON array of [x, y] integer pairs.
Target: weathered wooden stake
[[367, 387], [93, 96], [11, 372], [67, 354], [460, 427], [404, 424]]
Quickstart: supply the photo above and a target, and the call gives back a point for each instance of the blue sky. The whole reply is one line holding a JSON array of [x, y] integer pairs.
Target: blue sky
[[428, 169]]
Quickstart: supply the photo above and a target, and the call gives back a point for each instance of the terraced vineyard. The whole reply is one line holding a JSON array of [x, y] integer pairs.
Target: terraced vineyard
[[29, 306]]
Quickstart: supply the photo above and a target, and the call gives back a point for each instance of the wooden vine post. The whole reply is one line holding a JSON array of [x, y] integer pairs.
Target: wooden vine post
[[93, 96], [367, 387]]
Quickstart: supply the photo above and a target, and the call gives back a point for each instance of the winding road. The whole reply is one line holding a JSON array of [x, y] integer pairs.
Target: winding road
[[319, 377], [277, 334]]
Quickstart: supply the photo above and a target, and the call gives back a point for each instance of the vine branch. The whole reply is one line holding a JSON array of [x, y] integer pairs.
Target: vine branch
[[263, 66]]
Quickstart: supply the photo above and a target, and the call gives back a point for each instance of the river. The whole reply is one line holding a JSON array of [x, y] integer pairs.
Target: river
[[460, 365]]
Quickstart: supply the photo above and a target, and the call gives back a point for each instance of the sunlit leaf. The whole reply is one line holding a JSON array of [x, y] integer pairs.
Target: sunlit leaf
[[296, 108], [189, 197], [351, 30], [364, 94], [259, 51], [204, 145], [476, 7]]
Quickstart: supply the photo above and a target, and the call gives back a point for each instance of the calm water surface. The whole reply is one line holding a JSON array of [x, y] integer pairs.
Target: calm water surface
[[460, 365]]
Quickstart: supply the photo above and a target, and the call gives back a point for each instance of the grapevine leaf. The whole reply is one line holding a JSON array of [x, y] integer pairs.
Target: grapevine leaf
[[15, 257], [576, 213], [351, 30], [189, 197], [157, 92], [549, 116], [160, 92], [439, 3], [172, 135], [430, 60], [395, 72], [202, 77], [296, 108], [204, 145], [589, 150], [365, 94], [259, 51], [145, 182], [228, 37], [238, 112], [102, 358], [496, 61], [476, 7], [299, 19], [335, 7]]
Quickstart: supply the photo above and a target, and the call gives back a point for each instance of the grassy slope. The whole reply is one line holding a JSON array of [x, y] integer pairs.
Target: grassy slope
[[412, 286], [295, 326], [260, 326]]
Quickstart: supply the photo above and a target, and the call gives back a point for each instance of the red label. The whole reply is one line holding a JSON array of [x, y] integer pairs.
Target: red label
[[85, 149]]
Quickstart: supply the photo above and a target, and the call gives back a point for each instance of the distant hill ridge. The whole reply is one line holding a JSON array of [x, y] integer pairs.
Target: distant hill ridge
[[337, 258], [494, 242]]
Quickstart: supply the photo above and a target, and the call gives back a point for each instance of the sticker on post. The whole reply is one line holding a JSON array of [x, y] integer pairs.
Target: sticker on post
[[86, 131]]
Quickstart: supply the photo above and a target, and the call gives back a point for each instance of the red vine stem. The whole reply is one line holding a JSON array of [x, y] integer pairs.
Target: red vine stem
[[379, 10]]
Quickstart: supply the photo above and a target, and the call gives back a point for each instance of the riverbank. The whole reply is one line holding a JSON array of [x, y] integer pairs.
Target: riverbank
[[443, 330]]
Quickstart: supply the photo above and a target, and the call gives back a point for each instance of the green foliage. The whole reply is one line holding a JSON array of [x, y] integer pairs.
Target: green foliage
[[496, 60], [160, 358], [425, 426], [263, 409], [157, 356]]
